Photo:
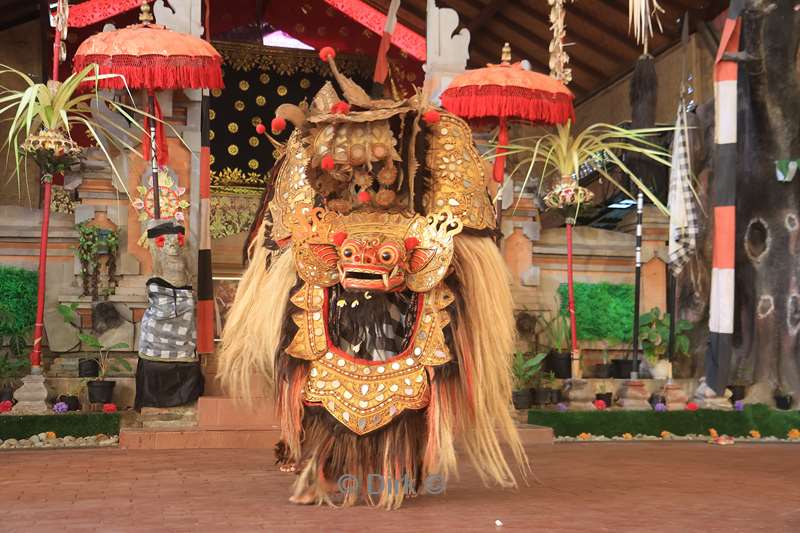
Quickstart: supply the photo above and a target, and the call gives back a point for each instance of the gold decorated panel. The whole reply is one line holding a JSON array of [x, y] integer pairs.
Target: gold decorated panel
[[458, 178], [291, 187], [366, 397]]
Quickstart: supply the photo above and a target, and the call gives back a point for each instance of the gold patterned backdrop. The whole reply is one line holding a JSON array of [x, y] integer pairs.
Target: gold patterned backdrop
[[257, 80]]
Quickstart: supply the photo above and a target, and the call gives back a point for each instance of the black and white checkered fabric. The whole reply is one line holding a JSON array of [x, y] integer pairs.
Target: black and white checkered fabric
[[167, 329], [683, 226], [371, 334]]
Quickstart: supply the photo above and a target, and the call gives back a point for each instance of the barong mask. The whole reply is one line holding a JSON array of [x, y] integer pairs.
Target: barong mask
[[373, 250]]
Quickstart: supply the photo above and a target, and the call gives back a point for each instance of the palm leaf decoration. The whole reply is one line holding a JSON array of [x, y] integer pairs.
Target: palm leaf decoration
[[561, 154], [43, 114]]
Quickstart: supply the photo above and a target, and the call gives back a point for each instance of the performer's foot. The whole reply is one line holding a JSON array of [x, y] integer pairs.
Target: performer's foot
[[306, 498], [289, 467]]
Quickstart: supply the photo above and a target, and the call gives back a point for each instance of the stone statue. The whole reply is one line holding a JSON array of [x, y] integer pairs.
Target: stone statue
[[168, 373]]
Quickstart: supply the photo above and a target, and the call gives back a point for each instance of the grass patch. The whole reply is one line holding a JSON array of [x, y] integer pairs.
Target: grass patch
[[769, 422], [75, 424]]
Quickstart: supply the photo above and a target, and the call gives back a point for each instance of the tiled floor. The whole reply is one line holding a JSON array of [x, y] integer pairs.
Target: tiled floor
[[643, 487]]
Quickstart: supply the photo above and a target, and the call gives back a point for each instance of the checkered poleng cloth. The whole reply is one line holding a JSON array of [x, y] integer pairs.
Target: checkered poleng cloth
[[683, 217], [383, 338], [167, 329]]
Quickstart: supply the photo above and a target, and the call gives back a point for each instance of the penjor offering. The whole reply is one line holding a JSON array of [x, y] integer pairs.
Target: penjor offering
[[376, 305]]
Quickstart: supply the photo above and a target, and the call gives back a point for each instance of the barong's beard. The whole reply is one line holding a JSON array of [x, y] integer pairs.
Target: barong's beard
[[362, 318]]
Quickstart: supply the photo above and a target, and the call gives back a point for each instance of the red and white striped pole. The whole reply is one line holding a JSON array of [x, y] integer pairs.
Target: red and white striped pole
[[205, 283], [38, 328], [720, 324]]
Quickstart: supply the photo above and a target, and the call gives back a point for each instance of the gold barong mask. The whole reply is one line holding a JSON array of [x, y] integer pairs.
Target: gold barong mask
[[373, 250]]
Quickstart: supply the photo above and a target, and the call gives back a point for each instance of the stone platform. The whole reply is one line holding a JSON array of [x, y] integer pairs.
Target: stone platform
[[225, 423]]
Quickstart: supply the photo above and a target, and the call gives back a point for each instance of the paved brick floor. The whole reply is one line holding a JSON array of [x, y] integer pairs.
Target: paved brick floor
[[676, 487]]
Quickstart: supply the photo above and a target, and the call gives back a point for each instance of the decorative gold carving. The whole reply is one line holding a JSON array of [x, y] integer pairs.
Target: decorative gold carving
[[457, 179], [310, 341], [291, 186], [288, 62], [367, 395], [364, 403], [235, 176]]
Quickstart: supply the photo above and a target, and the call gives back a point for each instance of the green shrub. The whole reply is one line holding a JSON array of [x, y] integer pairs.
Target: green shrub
[[74, 424], [17, 306], [770, 422], [603, 311]]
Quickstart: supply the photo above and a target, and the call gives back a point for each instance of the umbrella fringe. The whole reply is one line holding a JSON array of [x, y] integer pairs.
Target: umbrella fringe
[[499, 101], [156, 72]]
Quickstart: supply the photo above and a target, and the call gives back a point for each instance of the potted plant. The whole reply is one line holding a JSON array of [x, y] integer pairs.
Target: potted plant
[[73, 397], [523, 370], [783, 399], [100, 390], [603, 370], [657, 398], [654, 337], [603, 394], [11, 369], [549, 384], [559, 358], [739, 386], [540, 391]]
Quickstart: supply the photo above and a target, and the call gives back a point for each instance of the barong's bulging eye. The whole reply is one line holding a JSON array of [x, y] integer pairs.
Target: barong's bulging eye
[[348, 252], [387, 255]]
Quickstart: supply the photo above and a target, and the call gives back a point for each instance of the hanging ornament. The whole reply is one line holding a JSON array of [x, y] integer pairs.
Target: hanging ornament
[[640, 17], [567, 193], [558, 55]]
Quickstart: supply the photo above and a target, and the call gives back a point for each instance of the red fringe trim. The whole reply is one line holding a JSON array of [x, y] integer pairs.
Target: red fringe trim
[[156, 71], [499, 101]]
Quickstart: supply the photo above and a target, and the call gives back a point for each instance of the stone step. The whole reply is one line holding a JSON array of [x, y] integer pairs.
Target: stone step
[[166, 439], [175, 418], [226, 413], [530, 434]]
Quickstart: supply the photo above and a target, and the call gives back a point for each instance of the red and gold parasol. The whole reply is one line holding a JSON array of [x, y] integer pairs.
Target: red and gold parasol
[[150, 56], [508, 91]]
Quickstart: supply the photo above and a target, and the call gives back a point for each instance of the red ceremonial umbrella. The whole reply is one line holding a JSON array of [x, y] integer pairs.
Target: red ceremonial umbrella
[[152, 57], [508, 91]]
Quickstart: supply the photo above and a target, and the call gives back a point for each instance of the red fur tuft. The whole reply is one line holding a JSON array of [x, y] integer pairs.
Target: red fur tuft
[[278, 125], [328, 163], [431, 116], [339, 237]]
